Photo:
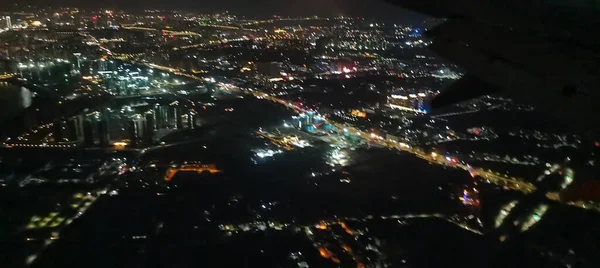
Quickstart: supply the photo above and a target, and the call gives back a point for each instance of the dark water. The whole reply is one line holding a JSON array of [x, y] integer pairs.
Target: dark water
[[13, 100]]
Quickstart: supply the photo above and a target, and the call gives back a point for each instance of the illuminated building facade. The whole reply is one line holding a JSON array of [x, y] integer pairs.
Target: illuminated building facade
[[191, 121], [414, 101], [191, 167]]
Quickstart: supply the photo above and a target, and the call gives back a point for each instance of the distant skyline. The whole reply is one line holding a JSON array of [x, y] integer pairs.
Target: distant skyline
[[367, 8]]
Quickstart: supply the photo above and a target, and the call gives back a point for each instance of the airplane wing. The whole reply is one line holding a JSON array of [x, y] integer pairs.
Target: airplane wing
[[542, 52]]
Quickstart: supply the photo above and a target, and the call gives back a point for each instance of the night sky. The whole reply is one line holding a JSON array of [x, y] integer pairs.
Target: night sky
[[366, 8]]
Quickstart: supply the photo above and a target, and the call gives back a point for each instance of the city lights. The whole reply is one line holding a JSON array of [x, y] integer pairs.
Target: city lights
[[307, 141]]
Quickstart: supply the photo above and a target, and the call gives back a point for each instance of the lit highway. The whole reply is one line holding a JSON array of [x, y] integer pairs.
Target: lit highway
[[491, 176], [172, 71], [504, 180], [175, 33]]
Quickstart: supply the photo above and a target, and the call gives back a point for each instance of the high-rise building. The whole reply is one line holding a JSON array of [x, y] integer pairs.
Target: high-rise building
[[172, 117], [150, 122], [73, 129], [311, 117], [88, 133], [140, 125], [7, 22], [191, 122], [112, 65], [77, 63], [161, 117], [149, 126], [122, 85], [103, 132], [132, 131], [102, 65], [178, 118], [157, 117]]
